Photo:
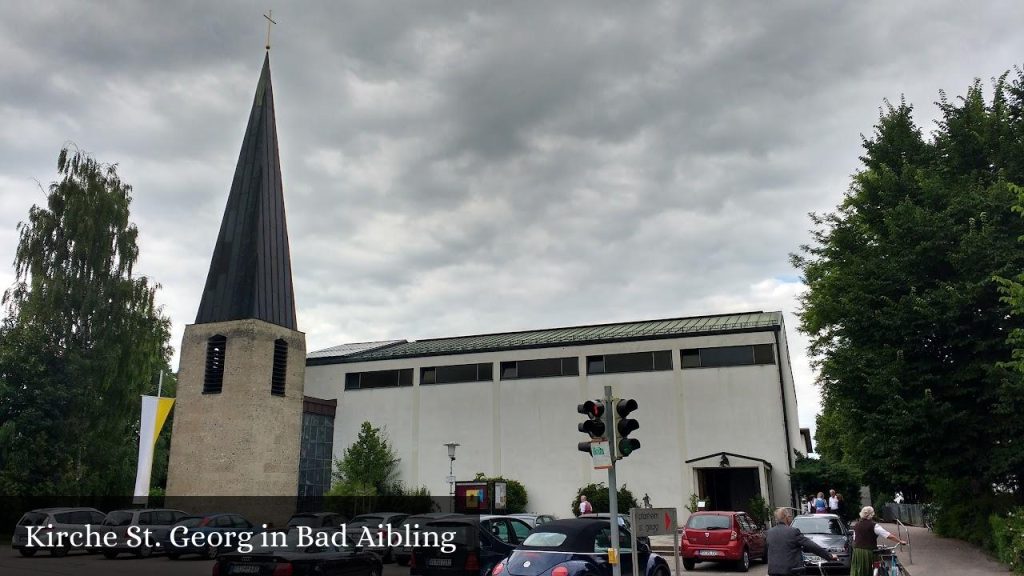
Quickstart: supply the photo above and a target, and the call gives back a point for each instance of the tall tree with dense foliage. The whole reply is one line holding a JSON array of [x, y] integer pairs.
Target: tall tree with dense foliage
[[905, 316], [83, 338]]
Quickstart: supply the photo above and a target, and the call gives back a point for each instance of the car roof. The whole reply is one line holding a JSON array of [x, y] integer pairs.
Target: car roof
[[314, 514], [825, 515], [716, 512], [64, 509], [580, 534]]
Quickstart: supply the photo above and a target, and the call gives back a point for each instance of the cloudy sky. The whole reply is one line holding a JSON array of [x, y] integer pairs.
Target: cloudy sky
[[462, 167]]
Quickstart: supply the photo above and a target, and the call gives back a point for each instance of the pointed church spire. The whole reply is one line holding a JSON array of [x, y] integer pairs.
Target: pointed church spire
[[250, 275]]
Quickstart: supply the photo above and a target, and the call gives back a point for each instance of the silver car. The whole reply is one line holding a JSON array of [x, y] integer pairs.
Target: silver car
[[54, 521], [158, 521], [534, 520], [829, 532]]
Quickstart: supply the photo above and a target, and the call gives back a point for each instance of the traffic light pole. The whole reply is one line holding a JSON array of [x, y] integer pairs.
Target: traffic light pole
[[613, 490]]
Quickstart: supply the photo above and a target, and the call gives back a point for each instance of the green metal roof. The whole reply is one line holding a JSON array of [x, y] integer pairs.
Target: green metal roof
[[571, 336]]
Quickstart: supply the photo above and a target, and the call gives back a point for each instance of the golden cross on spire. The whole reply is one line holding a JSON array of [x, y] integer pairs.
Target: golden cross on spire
[[269, 22]]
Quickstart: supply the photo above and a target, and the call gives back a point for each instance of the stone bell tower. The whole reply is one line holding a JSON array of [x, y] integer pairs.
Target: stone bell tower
[[238, 414]]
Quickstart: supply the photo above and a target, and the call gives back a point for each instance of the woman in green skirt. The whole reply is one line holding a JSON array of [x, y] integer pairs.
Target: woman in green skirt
[[865, 539]]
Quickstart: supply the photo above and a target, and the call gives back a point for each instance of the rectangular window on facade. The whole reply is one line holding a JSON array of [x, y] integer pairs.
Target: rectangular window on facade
[[764, 354], [378, 379], [280, 367], [723, 356], [457, 373], [690, 358], [630, 362], [540, 368]]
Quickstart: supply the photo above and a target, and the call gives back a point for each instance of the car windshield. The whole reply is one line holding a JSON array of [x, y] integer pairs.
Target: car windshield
[[366, 520], [190, 522], [465, 534], [304, 520], [709, 522], [322, 542], [544, 540], [118, 518], [809, 525], [33, 519]]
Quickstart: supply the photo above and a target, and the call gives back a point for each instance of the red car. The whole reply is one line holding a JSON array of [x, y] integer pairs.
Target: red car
[[722, 537]]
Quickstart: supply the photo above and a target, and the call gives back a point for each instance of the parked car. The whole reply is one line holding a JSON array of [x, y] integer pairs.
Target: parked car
[[721, 536], [64, 520], [577, 547], [508, 529], [623, 523], [415, 524], [534, 519], [293, 559], [217, 533], [158, 521], [829, 532], [373, 521], [317, 520], [477, 546]]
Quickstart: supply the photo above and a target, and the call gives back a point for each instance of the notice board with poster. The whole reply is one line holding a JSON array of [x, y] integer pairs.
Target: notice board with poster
[[481, 497]]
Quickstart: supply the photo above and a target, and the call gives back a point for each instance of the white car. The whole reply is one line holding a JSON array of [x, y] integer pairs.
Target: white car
[[534, 520]]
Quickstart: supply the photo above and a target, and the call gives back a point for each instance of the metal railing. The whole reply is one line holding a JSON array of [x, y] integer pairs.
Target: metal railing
[[910, 549]]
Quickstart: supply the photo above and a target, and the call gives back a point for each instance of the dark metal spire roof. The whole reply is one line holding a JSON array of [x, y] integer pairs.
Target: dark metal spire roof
[[251, 273]]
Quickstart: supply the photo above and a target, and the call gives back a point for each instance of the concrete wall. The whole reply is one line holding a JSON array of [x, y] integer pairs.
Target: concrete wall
[[243, 441], [526, 429]]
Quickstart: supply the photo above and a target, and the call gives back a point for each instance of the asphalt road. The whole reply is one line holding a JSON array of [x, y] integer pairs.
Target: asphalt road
[[82, 564]]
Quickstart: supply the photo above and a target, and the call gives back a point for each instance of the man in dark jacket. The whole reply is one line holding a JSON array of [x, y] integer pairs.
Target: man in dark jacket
[[786, 544]]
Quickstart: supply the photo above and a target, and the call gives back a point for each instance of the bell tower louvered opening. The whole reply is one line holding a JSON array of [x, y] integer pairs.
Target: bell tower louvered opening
[[277, 375], [213, 379]]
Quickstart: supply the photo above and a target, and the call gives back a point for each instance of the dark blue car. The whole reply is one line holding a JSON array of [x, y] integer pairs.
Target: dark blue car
[[478, 544], [208, 535], [577, 547]]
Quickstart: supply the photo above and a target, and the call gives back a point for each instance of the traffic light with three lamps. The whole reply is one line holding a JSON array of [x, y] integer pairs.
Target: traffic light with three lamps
[[593, 425], [623, 427]]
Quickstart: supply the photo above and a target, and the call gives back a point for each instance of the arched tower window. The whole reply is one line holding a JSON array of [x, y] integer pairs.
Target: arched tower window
[[277, 374], [213, 380]]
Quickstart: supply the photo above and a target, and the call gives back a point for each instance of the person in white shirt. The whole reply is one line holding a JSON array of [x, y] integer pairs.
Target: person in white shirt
[[833, 502], [585, 506]]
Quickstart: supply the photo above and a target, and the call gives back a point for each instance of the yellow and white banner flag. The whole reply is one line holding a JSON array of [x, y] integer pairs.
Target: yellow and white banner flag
[[154, 415]]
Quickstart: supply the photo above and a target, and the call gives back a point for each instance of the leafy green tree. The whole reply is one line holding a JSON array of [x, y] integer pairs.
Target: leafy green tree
[[597, 494], [812, 475], [368, 467], [83, 338], [516, 498], [905, 319]]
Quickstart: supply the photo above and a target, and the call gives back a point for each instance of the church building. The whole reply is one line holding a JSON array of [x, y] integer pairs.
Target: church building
[[717, 408], [257, 416]]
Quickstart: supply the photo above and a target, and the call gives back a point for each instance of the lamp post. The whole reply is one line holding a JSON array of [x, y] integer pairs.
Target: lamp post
[[451, 470]]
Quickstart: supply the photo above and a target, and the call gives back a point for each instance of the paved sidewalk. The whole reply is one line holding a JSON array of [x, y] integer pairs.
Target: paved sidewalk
[[935, 556]]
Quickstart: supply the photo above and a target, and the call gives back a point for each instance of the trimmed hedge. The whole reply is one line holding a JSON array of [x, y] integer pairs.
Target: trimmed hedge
[[1008, 538]]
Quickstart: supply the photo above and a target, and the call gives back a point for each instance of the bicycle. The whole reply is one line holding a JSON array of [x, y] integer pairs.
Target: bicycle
[[888, 564]]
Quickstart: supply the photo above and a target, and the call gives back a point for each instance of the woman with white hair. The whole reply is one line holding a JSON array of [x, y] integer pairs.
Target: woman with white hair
[[865, 539]]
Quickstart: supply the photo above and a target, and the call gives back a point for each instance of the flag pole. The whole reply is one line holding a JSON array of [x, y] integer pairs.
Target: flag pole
[[160, 384]]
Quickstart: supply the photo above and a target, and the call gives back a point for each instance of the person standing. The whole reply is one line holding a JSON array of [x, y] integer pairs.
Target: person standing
[[833, 502], [585, 506], [819, 504], [786, 546], [865, 539], [841, 507]]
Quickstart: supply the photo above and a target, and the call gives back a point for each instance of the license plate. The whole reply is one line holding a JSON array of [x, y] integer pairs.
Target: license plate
[[812, 558], [244, 569], [440, 562], [708, 552]]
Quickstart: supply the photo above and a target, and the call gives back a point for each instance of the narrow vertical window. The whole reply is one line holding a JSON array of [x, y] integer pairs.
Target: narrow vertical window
[[213, 379], [277, 375]]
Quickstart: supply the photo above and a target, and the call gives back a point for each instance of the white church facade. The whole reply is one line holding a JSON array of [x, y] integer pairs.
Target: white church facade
[[717, 408]]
